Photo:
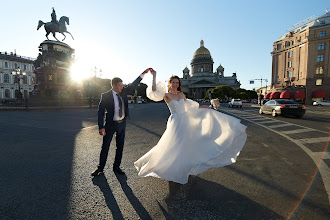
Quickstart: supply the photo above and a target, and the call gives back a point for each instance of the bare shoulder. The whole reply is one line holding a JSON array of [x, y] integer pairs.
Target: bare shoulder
[[167, 97], [183, 95]]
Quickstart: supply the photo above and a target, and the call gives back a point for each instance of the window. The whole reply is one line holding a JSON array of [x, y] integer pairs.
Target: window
[[322, 33], [15, 79], [290, 54], [290, 74], [6, 64], [319, 70], [7, 93], [321, 46], [32, 80], [16, 66], [6, 78], [24, 67], [290, 63], [24, 79], [50, 77], [319, 82], [279, 46], [322, 22], [320, 58]]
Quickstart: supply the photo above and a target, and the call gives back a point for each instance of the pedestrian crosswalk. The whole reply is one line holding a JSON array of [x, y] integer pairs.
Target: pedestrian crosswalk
[[297, 134]]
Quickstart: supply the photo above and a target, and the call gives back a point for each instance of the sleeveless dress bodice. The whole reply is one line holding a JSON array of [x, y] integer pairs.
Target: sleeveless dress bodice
[[176, 107]]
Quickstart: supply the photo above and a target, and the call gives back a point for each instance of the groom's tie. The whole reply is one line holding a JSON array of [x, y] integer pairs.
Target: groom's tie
[[120, 106]]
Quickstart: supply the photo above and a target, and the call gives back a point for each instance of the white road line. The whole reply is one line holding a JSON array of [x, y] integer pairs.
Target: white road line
[[259, 119], [323, 155], [314, 140], [323, 169], [266, 122], [298, 131], [281, 125]]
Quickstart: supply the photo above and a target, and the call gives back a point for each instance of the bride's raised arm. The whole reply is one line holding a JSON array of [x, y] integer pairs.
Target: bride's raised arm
[[157, 91]]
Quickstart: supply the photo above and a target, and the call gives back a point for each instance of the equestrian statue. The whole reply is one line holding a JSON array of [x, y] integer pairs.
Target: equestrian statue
[[55, 26]]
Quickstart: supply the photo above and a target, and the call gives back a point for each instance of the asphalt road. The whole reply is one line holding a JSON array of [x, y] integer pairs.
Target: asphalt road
[[46, 158]]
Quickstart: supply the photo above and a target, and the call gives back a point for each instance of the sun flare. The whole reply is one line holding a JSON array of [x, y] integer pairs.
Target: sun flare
[[79, 71]]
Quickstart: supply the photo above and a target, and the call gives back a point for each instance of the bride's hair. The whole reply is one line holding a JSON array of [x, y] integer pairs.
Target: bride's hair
[[170, 80]]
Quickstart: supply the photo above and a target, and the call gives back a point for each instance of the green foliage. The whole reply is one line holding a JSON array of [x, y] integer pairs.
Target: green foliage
[[225, 91]]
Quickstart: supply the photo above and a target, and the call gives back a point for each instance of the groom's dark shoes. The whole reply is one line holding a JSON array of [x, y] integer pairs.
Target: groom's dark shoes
[[118, 170], [97, 172]]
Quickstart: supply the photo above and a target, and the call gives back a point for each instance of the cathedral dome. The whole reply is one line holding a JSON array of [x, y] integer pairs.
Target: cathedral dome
[[202, 50]]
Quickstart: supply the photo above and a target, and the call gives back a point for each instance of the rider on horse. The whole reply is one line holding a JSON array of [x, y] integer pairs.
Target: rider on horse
[[54, 17]]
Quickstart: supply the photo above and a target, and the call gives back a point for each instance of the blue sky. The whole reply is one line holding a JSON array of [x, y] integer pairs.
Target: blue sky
[[125, 37]]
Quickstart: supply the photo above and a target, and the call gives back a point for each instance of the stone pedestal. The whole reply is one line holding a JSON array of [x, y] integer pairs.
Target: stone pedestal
[[52, 70]]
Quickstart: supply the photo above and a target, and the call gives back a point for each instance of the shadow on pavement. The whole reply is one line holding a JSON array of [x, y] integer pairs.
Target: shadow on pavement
[[102, 183], [138, 207], [36, 156], [202, 199], [145, 129]]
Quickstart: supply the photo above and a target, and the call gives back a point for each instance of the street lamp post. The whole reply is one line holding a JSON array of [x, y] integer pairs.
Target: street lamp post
[[20, 75]]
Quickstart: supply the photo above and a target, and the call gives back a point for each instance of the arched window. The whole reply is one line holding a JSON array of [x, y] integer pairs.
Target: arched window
[[24, 79], [7, 93], [6, 78]]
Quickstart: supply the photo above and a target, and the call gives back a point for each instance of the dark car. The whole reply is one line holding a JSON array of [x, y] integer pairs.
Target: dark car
[[283, 107]]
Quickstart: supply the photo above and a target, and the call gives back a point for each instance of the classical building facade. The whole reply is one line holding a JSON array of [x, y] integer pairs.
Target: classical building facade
[[300, 60], [202, 76], [9, 88]]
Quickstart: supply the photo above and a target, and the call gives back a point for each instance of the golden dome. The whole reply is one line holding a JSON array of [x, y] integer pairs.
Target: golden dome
[[202, 50]]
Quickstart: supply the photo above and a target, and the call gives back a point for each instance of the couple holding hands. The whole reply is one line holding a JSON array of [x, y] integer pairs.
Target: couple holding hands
[[195, 138]]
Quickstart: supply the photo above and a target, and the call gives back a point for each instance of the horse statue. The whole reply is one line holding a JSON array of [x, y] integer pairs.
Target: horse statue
[[54, 27]]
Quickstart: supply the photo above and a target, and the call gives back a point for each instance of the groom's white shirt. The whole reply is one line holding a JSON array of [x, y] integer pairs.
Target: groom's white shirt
[[116, 102]]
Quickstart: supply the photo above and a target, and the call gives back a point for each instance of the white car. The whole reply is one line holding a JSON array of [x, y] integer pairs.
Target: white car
[[323, 102], [235, 102]]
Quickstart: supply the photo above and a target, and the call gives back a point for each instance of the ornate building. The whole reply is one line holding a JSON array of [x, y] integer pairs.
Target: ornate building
[[202, 76], [16, 76], [300, 61]]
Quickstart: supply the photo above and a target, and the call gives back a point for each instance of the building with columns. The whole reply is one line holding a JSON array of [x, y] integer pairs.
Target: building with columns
[[202, 76], [9, 88], [301, 59]]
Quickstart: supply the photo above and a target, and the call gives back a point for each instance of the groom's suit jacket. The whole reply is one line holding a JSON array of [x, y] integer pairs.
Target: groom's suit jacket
[[107, 106]]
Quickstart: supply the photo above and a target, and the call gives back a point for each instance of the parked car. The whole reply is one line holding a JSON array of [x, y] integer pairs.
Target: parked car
[[323, 102], [283, 107], [235, 102], [264, 101]]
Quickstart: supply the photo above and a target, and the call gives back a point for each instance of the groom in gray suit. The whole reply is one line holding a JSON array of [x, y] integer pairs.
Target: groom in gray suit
[[114, 106]]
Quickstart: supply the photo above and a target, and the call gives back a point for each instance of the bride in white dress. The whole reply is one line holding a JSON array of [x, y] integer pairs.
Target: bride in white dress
[[195, 138]]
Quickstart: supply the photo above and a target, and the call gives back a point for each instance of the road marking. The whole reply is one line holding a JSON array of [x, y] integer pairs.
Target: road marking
[[322, 155], [298, 131], [266, 122], [259, 119], [323, 169], [281, 125], [318, 112], [314, 140]]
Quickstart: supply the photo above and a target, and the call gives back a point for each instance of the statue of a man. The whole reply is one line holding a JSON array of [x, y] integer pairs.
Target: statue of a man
[[54, 17]]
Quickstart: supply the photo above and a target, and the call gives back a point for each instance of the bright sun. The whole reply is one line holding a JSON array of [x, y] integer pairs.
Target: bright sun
[[79, 72]]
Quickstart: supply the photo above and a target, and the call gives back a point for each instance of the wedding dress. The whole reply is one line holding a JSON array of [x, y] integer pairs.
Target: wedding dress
[[194, 140]]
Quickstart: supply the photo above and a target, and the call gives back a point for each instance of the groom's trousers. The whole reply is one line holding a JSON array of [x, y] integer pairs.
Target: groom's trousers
[[119, 129]]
